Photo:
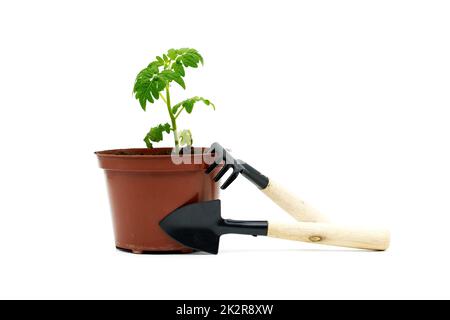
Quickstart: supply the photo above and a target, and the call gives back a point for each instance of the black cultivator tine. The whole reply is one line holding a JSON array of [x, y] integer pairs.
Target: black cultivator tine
[[221, 155], [222, 171], [230, 179], [211, 167], [219, 152]]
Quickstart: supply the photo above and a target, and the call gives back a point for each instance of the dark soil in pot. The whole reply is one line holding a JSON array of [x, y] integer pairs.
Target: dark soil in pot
[[144, 185]]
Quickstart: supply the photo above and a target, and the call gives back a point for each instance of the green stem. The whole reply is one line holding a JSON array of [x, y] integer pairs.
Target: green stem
[[172, 119], [178, 113], [162, 97]]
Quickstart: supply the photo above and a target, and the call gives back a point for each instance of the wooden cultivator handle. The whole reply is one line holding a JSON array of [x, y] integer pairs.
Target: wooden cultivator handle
[[296, 207]]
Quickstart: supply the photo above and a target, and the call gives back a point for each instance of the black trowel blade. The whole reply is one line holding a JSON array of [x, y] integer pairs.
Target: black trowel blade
[[195, 225]]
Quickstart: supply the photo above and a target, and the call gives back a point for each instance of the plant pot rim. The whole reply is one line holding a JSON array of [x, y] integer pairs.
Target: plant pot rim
[[149, 160], [151, 153]]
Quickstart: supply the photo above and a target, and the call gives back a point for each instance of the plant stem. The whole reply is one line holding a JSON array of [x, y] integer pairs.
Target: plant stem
[[163, 99], [178, 113], [172, 119]]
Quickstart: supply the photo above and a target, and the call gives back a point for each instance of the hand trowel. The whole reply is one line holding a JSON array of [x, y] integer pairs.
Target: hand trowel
[[200, 226]]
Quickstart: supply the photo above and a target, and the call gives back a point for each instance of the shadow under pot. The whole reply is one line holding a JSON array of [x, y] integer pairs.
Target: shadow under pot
[[145, 185]]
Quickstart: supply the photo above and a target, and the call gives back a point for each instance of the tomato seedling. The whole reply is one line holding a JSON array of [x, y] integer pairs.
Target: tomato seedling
[[154, 82]]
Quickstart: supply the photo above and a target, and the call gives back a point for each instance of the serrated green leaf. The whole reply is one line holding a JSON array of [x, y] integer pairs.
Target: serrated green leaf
[[189, 61], [176, 107], [154, 89], [160, 61], [153, 67], [188, 104], [180, 81], [200, 58], [169, 75], [178, 68], [148, 143], [143, 102], [172, 54], [147, 85], [160, 84], [156, 134]]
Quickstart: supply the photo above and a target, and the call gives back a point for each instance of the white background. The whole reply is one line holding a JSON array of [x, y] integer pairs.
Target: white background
[[346, 103]]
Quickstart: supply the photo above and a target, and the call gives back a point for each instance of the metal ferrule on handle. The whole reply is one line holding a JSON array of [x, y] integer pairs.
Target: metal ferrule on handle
[[260, 180]]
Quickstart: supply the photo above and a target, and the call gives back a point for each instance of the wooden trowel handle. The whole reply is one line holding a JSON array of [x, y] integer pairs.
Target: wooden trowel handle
[[333, 235], [296, 207]]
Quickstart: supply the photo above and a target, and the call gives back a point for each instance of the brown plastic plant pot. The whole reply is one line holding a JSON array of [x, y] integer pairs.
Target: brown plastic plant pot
[[145, 185]]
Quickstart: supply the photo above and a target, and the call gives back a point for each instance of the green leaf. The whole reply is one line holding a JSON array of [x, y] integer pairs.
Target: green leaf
[[172, 54], [188, 104], [178, 68], [186, 57], [143, 102], [180, 81], [154, 89], [189, 61], [195, 54], [185, 138], [148, 85], [148, 143], [160, 61], [169, 76], [156, 134]]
